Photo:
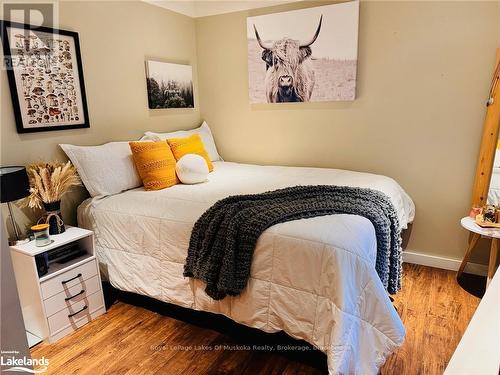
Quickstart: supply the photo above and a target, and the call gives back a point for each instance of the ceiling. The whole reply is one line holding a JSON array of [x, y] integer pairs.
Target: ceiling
[[212, 7]]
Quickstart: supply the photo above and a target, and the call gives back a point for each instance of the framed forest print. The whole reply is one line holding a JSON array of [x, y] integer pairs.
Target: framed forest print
[[169, 85], [44, 68]]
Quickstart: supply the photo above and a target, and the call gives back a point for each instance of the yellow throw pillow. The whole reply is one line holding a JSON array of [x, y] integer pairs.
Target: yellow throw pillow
[[190, 145], [155, 163]]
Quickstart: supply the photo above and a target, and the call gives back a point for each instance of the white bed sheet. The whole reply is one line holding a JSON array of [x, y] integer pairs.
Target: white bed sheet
[[312, 278]]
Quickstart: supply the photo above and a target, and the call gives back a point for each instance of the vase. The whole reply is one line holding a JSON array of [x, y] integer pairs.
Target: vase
[[53, 217]]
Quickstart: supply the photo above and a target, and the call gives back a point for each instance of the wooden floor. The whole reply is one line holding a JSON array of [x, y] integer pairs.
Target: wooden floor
[[133, 340]]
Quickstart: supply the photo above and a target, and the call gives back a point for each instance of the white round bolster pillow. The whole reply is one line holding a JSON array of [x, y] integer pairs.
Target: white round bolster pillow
[[191, 169]]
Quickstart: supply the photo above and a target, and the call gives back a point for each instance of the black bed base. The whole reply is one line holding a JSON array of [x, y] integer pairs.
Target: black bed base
[[239, 334]]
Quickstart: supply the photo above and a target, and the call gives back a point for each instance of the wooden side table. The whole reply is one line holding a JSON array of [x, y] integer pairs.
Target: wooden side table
[[477, 231]]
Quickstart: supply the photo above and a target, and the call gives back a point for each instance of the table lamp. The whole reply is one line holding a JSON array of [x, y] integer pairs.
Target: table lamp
[[14, 185]]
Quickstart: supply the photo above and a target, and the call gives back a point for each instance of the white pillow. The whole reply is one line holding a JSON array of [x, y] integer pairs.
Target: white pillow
[[191, 169], [204, 132], [105, 170]]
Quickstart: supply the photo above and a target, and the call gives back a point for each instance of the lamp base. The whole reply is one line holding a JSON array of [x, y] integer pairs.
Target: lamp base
[[18, 242]]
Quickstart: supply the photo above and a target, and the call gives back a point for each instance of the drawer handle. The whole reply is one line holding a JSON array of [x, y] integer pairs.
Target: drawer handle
[[73, 278], [78, 312], [76, 295]]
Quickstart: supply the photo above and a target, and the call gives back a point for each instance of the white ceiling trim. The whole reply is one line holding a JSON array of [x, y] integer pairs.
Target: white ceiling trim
[[203, 8]]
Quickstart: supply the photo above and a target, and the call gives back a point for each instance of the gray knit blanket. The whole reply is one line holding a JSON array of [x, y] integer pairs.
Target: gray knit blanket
[[224, 237]]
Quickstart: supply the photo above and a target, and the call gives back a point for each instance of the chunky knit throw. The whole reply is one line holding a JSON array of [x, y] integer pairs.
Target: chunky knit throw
[[224, 237]]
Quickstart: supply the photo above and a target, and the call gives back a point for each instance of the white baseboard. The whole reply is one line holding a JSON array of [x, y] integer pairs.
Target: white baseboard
[[445, 263]]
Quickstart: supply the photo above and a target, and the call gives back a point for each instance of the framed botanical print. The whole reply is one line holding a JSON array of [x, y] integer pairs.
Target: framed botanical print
[[44, 68]]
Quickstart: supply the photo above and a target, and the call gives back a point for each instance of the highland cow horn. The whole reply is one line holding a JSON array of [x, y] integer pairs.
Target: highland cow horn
[[261, 43], [315, 35]]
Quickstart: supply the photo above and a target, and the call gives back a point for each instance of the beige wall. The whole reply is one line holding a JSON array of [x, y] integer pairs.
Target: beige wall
[[423, 75], [116, 38]]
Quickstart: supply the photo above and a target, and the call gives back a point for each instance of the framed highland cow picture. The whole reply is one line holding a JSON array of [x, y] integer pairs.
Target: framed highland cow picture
[[306, 55], [169, 85], [45, 74]]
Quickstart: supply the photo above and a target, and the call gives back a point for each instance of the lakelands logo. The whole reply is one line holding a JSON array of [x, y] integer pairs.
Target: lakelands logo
[[21, 364]]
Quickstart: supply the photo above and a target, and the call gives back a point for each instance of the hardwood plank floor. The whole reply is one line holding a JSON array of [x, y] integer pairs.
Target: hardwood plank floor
[[133, 340]]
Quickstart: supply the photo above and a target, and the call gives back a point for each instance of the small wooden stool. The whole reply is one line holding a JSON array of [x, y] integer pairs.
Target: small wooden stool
[[469, 224]]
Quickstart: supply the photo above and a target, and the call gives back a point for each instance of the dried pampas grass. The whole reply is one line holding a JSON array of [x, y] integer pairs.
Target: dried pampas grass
[[49, 182]]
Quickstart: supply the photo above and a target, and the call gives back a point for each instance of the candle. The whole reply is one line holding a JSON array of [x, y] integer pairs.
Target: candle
[[41, 232]]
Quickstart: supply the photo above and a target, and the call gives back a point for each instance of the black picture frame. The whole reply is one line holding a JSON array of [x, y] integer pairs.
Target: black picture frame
[[15, 90]]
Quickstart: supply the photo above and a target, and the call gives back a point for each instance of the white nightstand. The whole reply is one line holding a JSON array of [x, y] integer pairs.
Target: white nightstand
[[68, 296]]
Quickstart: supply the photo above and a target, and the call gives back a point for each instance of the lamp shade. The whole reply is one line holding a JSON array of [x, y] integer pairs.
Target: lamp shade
[[14, 183]]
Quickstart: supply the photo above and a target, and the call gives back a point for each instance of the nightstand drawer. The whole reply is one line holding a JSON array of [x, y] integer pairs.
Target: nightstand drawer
[[68, 279], [77, 314], [72, 295]]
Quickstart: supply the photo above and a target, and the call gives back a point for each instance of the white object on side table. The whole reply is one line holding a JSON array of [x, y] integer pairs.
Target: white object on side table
[[493, 233], [67, 297]]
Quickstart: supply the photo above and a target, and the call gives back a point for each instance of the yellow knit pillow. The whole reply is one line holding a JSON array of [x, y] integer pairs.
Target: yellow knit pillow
[[190, 145], [155, 163]]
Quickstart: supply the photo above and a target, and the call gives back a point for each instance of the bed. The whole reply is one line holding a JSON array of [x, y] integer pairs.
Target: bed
[[314, 278]]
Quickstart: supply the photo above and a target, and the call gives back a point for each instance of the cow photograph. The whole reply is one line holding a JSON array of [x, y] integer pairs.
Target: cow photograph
[[306, 55]]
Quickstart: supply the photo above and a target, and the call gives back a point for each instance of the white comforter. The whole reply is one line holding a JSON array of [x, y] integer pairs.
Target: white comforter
[[313, 278]]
